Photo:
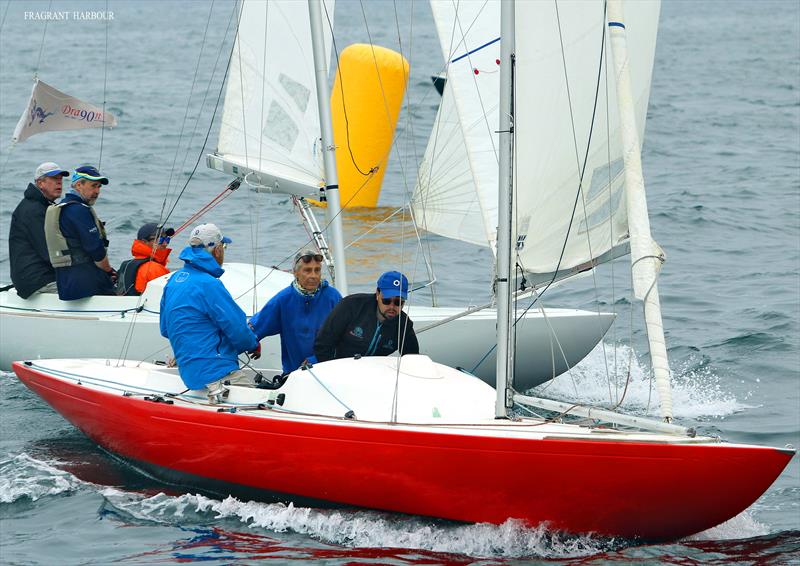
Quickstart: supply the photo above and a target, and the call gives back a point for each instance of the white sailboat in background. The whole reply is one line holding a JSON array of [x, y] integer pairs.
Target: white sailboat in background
[[270, 138], [409, 435]]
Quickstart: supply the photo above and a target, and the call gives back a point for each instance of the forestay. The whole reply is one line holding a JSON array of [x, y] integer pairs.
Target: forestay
[[270, 124], [456, 193]]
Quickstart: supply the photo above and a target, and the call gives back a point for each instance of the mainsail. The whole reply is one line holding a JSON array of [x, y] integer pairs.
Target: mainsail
[[270, 127]]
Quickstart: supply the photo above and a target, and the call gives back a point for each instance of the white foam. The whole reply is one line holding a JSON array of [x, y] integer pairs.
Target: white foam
[[22, 476], [741, 526], [361, 528], [695, 393]]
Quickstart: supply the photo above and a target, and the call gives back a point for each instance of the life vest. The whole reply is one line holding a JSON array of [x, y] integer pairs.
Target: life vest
[[63, 251], [126, 276]]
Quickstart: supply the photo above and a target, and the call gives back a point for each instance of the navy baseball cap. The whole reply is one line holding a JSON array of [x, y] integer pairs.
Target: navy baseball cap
[[393, 284], [89, 172]]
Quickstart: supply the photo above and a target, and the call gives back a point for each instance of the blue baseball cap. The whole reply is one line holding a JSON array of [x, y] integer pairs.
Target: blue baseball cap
[[393, 284], [90, 172]]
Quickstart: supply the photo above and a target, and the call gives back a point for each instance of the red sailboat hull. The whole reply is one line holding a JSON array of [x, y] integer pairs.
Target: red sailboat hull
[[652, 491]]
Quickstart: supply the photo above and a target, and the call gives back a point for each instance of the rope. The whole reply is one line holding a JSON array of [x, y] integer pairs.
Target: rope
[[371, 171], [226, 192], [331, 393]]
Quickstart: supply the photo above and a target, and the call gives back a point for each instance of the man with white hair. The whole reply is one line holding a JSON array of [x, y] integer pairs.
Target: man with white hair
[[205, 327], [31, 271]]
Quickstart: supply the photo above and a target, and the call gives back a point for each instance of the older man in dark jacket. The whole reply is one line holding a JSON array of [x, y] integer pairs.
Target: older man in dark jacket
[[31, 271]]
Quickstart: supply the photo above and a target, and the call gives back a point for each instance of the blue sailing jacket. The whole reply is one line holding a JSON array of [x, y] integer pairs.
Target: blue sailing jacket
[[297, 318], [205, 327]]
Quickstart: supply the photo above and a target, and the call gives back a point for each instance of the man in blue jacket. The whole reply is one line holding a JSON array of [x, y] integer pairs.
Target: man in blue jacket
[[76, 240], [298, 311], [205, 327]]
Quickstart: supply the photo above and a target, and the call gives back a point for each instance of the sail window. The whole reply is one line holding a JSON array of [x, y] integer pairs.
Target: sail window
[[280, 127]]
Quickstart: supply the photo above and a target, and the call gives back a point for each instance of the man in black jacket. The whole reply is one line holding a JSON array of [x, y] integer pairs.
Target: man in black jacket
[[31, 271], [369, 324]]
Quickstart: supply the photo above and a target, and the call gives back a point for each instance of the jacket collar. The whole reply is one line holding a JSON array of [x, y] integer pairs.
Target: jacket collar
[[35, 193], [201, 260], [140, 250]]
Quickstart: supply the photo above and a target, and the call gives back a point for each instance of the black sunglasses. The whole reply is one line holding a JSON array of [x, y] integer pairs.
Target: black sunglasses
[[396, 301], [308, 258]]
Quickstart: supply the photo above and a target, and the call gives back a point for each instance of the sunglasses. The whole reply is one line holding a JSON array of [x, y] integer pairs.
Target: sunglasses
[[396, 301], [308, 258]]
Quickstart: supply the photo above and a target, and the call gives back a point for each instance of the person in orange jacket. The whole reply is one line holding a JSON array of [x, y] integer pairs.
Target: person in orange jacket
[[150, 256]]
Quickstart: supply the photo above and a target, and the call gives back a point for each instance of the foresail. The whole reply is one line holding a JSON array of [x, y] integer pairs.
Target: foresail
[[570, 200], [270, 124], [456, 192]]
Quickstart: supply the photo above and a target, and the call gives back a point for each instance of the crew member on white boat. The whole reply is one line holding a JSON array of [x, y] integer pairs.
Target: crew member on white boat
[[76, 239], [369, 324], [150, 256], [298, 311], [31, 271], [205, 327]]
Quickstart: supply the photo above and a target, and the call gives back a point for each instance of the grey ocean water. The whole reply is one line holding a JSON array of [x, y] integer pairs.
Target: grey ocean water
[[722, 166]]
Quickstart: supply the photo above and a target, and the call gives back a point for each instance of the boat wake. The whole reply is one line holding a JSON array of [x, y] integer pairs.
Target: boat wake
[[361, 528], [697, 392], [24, 477]]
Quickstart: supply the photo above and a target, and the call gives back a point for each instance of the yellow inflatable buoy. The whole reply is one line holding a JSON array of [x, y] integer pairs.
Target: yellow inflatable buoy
[[365, 102]]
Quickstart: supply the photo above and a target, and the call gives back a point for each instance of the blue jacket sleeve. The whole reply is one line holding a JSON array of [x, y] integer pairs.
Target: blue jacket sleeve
[[162, 317], [267, 321], [230, 318], [81, 223]]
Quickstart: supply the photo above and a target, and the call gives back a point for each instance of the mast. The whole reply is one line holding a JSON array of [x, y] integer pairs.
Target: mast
[[646, 256], [505, 352], [328, 148]]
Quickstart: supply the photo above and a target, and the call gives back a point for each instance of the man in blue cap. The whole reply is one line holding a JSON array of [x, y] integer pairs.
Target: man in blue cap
[[76, 239], [369, 324], [31, 271], [205, 327]]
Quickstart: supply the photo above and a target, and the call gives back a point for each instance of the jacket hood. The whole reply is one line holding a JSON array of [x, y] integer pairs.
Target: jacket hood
[[34, 193], [140, 250], [202, 260]]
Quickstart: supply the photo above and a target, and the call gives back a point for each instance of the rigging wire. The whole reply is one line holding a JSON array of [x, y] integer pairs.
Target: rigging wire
[[41, 46], [208, 132], [105, 91], [186, 112]]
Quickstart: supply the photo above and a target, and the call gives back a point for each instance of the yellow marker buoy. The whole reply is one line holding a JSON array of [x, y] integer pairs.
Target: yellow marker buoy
[[365, 102]]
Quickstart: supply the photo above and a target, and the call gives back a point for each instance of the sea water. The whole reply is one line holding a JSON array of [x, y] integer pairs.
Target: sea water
[[722, 169]]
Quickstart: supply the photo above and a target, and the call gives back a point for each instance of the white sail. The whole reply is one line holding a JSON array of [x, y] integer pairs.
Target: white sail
[[456, 193], [565, 101], [270, 127]]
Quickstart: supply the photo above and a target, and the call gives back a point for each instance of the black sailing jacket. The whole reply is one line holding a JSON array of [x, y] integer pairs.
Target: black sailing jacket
[[353, 328], [27, 248]]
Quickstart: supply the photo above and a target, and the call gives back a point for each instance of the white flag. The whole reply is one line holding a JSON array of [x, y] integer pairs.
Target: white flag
[[50, 110]]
